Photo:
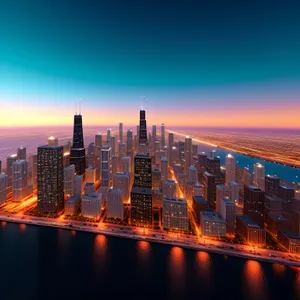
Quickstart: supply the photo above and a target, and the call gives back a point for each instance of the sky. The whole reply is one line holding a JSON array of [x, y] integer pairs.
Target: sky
[[188, 63]]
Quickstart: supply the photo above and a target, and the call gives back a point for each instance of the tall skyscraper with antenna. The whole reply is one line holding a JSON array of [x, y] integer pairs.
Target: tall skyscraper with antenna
[[143, 142], [77, 153]]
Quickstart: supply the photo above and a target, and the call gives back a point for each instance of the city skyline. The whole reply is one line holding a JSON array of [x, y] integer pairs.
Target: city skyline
[[201, 65]]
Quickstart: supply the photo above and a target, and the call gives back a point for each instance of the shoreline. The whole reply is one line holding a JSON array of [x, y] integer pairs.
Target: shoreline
[[178, 243], [199, 141]]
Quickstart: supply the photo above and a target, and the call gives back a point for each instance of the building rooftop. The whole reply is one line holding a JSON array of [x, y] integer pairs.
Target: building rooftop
[[122, 174], [290, 234], [174, 199], [115, 191], [139, 190], [141, 155], [50, 147], [211, 216], [3, 176], [92, 195], [170, 181], [248, 221], [273, 177], [73, 199], [254, 188], [89, 184], [272, 198], [286, 187], [228, 201], [200, 200], [278, 218], [222, 187]]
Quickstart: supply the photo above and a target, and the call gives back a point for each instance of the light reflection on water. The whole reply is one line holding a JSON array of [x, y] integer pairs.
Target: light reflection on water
[[278, 269], [255, 284], [100, 248], [177, 270], [143, 251], [23, 227], [204, 268]]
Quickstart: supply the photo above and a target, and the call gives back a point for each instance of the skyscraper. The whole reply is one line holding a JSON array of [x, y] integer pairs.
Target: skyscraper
[[162, 136], [9, 162], [164, 168], [69, 180], [129, 142], [108, 135], [143, 128], [188, 148], [113, 145], [20, 187], [106, 167], [3, 187], [77, 154], [50, 179], [170, 146], [153, 138], [21, 153], [259, 176], [230, 169], [121, 132]]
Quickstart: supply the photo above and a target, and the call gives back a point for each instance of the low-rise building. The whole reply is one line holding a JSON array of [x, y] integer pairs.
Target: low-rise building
[[251, 232], [114, 204], [175, 214], [91, 205], [89, 188], [170, 188], [212, 224], [72, 204], [289, 240]]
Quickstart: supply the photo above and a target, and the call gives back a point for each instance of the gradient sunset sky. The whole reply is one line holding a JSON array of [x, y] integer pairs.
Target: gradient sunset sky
[[188, 63]]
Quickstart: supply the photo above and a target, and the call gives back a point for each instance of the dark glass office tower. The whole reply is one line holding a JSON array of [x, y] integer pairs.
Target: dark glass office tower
[[77, 153], [50, 179], [143, 128], [142, 171]]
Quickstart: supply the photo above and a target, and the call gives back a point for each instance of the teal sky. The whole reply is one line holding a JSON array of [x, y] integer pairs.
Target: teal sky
[[180, 55]]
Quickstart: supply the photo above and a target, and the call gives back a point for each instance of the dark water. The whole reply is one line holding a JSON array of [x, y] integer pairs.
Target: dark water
[[46, 263]]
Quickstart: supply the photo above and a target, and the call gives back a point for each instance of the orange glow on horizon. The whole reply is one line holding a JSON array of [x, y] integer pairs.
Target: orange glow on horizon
[[61, 115]]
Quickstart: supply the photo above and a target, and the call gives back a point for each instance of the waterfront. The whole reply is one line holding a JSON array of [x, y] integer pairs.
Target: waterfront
[[81, 265]]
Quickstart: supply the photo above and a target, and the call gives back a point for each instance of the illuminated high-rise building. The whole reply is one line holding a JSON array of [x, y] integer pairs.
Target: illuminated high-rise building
[[77, 153], [142, 171], [90, 158], [162, 136], [50, 179], [169, 188], [114, 205], [122, 150], [21, 154], [141, 207], [259, 176], [142, 128], [175, 214], [98, 146], [121, 132], [201, 166], [230, 169], [129, 142], [188, 148]]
